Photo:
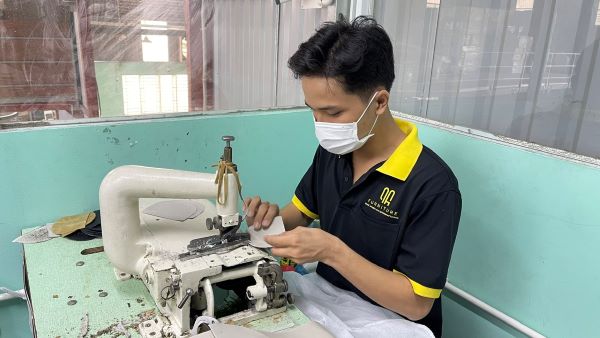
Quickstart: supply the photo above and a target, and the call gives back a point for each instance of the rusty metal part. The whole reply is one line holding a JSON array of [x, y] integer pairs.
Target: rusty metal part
[[94, 250]]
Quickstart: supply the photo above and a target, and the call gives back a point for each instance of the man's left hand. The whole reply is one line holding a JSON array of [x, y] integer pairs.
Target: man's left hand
[[304, 245]]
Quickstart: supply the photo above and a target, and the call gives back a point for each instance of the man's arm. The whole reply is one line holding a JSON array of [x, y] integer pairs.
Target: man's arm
[[292, 217], [389, 289]]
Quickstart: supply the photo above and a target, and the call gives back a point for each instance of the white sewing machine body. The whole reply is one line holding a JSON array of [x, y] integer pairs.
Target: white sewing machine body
[[179, 261]]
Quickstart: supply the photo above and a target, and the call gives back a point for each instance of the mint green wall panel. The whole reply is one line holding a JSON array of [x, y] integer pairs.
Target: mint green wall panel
[[46, 173], [462, 320], [529, 233], [527, 242]]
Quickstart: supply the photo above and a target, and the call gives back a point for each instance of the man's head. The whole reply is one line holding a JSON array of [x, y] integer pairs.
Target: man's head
[[357, 54], [341, 66]]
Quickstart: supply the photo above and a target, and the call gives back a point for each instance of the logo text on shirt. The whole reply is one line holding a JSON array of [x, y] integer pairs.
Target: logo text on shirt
[[382, 206]]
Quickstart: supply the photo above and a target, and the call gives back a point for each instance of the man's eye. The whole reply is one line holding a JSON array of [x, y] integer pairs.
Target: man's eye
[[335, 113]]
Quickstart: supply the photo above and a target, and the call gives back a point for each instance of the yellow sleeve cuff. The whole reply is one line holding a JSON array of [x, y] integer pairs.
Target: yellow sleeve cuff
[[298, 204], [422, 290]]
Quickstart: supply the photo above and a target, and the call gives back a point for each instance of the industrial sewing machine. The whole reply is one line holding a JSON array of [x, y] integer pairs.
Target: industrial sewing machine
[[179, 262]]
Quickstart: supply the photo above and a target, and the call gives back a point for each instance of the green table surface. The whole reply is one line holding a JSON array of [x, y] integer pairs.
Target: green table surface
[[65, 285]]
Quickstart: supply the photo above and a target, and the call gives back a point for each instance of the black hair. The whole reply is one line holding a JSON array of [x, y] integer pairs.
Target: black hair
[[358, 54]]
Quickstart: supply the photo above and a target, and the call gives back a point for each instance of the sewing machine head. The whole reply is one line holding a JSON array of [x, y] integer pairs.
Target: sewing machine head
[[180, 260]]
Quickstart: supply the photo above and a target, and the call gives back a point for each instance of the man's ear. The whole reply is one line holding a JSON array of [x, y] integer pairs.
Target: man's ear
[[382, 101]]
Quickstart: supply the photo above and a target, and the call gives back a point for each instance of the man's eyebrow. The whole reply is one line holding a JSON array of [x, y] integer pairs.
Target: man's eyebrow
[[322, 108]]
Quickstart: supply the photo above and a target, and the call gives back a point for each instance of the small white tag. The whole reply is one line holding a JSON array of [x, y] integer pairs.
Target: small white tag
[[257, 237]]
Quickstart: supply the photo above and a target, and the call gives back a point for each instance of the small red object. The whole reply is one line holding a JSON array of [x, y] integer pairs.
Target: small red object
[[287, 268]]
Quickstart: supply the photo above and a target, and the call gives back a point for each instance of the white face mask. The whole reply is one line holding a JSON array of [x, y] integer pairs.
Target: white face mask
[[342, 138]]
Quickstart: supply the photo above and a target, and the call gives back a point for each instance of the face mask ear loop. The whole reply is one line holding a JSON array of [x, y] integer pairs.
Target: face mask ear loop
[[373, 126], [376, 117], [367, 107]]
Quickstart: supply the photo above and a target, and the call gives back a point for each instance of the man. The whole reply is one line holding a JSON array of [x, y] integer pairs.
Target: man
[[388, 206]]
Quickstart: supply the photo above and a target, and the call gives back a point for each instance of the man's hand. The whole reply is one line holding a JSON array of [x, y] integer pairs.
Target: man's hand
[[304, 245], [259, 214]]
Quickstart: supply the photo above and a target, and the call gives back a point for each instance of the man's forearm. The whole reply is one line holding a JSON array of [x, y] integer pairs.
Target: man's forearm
[[292, 217], [390, 290]]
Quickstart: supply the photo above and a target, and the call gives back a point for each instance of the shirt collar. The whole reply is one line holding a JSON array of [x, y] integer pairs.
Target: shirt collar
[[400, 164]]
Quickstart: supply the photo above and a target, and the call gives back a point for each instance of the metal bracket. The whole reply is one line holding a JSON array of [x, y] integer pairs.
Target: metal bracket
[[151, 328]]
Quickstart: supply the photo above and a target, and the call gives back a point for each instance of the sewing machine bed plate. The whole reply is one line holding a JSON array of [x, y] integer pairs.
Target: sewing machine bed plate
[[64, 285]]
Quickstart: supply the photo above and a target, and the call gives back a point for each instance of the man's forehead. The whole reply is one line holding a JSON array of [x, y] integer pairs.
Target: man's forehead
[[322, 85], [324, 103], [324, 92]]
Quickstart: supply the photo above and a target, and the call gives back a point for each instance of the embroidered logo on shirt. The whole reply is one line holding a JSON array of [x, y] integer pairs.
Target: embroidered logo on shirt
[[387, 195], [382, 206]]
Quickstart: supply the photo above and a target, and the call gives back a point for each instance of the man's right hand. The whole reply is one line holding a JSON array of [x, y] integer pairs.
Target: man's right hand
[[259, 213]]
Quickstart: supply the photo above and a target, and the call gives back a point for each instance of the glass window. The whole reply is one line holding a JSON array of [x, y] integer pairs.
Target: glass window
[[155, 48], [103, 58], [519, 68]]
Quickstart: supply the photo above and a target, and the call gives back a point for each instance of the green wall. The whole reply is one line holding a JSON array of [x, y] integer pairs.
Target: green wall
[[110, 84], [527, 242], [46, 173], [529, 234]]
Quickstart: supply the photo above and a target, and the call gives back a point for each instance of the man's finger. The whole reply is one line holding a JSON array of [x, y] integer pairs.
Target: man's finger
[[280, 241], [271, 213], [282, 252], [253, 205], [260, 215]]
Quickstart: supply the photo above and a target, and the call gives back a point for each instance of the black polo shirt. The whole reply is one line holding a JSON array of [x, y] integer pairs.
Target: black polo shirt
[[401, 215]]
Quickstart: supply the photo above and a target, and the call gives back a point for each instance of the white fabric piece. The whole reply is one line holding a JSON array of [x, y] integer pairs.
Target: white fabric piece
[[121, 329], [9, 294], [176, 210], [345, 314], [37, 235], [257, 237], [85, 326], [218, 330]]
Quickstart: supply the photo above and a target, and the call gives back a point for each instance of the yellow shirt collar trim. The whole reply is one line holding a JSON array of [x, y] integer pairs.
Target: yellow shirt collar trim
[[404, 158]]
